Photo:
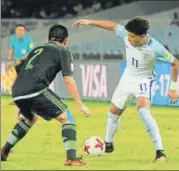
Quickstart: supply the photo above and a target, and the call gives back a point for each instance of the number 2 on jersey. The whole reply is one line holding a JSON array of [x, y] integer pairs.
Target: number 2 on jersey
[[37, 52]]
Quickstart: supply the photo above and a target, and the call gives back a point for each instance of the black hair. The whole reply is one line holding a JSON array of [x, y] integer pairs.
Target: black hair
[[20, 25], [138, 26], [58, 33]]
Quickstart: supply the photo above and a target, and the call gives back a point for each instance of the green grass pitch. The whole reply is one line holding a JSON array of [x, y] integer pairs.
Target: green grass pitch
[[42, 148]]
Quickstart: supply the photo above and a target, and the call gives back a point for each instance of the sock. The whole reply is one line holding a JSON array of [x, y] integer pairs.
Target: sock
[[112, 125], [160, 153], [151, 127], [19, 131], [69, 140]]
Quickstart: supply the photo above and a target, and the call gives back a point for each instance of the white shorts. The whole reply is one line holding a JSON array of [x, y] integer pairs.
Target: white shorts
[[128, 89]]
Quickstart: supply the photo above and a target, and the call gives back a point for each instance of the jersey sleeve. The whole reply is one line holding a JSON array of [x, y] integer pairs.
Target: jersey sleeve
[[67, 64], [11, 43], [121, 31], [30, 45], [161, 53]]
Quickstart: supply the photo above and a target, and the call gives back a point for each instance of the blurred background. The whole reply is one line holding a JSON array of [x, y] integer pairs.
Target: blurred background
[[55, 8], [89, 44], [39, 15]]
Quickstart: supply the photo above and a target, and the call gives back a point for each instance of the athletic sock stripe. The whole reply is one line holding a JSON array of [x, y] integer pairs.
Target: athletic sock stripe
[[14, 133], [69, 127], [57, 100], [23, 121], [65, 139], [54, 101], [23, 126], [70, 145], [12, 139]]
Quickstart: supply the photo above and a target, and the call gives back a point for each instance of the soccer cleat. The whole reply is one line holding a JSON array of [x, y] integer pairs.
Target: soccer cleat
[[109, 147], [75, 163], [78, 162], [3, 156], [160, 156]]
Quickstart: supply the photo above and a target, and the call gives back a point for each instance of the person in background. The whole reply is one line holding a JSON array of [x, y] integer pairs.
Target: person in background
[[20, 46]]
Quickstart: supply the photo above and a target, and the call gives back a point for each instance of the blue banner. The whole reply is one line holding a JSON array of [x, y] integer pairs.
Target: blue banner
[[163, 71]]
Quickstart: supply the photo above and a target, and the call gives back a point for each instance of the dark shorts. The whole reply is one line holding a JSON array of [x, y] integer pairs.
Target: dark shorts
[[47, 105]]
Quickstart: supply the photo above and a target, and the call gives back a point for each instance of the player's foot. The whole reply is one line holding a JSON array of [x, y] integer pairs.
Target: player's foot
[[160, 156], [78, 162], [109, 147], [75, 163], [3, 156]]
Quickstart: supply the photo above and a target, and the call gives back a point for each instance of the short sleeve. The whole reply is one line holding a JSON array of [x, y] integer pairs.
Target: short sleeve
[[30, 44], [67, 63], [161, 53], [121, 31]]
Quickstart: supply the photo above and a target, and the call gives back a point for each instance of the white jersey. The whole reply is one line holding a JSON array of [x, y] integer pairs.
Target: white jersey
[[139, 79], [141, 60]]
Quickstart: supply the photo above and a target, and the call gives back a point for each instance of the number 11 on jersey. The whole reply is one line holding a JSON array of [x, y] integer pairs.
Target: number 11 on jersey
[[135, 62]]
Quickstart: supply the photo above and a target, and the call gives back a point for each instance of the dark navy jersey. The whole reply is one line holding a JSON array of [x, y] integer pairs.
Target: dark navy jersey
[[39, 70]]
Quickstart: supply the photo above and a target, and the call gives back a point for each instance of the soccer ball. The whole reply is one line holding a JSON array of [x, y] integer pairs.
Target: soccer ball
[[94, 146]]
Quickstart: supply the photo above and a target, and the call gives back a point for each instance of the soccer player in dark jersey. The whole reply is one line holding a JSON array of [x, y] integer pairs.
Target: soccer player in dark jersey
[[31, 94]]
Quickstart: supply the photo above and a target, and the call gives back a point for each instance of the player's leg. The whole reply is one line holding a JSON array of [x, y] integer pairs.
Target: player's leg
[[18, 114], [18, 117], [20, 129], [144, 110], [69, 139], [119, 102], [49, 106], [112, 125]]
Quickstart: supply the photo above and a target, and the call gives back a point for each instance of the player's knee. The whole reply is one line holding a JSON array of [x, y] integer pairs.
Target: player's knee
[[66, 118], [143, 102], [35, 119], [32, 121], [115, 110]]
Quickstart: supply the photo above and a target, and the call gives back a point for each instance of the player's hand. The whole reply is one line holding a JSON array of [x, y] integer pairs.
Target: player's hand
[[172, 94], [9, 64], [81, 22], [84, 109], [18, 62]]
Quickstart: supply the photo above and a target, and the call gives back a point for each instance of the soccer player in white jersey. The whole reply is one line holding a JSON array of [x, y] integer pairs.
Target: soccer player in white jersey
[[138, 80]]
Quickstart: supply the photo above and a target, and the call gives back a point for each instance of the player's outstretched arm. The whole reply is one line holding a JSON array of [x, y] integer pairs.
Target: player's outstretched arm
[[173, 86], [108, 25], [72, 88]]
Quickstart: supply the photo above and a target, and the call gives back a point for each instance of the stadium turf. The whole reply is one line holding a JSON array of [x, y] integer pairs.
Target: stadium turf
[[42, 148]]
